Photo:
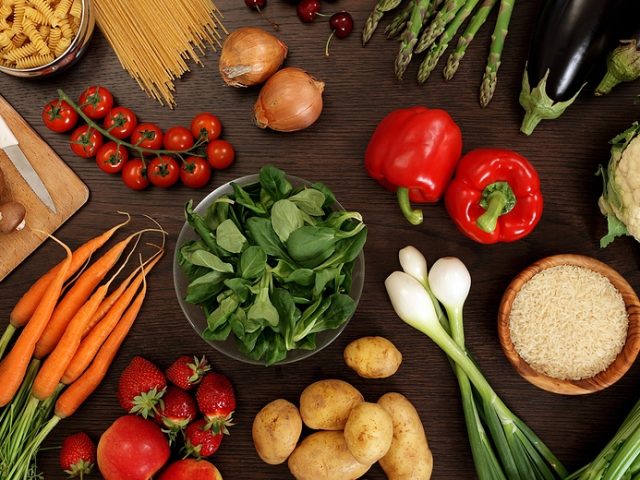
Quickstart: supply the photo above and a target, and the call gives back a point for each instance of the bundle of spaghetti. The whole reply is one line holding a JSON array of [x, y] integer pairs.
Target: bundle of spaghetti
[[155, 49]]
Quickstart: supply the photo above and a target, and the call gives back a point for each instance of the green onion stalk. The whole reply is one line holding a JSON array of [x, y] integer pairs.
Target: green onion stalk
[[502, 445], [620, 458]]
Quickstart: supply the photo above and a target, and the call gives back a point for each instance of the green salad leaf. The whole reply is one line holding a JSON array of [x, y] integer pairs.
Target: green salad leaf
[[273, 265]]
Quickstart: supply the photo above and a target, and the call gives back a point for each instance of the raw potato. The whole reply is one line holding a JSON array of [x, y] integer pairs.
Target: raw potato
[[369, 432], [276, 430], [326, 405], [373, 357], [409, 457], [325, 456]]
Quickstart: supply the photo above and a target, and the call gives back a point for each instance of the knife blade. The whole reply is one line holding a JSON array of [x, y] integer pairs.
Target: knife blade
[[9, 143]]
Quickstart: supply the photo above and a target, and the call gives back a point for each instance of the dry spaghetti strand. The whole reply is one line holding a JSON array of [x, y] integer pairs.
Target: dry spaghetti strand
[[156, 50]]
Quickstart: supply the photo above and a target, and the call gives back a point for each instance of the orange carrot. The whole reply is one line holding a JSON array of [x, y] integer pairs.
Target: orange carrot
[[25, 307], [14, 365], [94, 340], [78, 295], [108, 302], [56, 363], [79, 391]]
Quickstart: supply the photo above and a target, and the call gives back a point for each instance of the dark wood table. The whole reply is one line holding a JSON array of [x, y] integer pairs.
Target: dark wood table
[[360, 90]]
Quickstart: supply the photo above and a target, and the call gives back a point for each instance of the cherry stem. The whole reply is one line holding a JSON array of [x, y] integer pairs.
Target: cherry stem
[[326, 46], [193, 151], [275, 26]]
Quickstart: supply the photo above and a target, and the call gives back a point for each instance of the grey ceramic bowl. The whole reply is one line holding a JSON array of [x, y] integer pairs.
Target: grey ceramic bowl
[[194, 313], [71, 55]]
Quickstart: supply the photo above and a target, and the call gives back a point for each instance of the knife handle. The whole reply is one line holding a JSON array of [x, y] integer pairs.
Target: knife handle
[[6, 135]]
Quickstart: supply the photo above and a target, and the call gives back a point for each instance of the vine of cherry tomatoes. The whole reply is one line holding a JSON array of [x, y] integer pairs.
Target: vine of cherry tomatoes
[[141, 153]]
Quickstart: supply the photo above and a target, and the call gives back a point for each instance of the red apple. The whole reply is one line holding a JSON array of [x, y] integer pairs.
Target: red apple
[[132, 448], [191, 469]]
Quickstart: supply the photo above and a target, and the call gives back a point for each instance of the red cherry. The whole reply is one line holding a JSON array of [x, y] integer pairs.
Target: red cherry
[[255, 4], [308, 10], [342, 24]]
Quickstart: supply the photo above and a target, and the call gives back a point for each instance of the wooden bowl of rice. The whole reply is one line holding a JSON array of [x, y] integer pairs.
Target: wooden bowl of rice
[[570, 324]]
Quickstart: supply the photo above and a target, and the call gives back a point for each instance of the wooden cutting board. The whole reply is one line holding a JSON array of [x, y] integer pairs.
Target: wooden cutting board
[[67, 190]]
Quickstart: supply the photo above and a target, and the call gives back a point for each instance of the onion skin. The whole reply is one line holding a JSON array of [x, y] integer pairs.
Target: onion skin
[[250, 56], [291, 100]]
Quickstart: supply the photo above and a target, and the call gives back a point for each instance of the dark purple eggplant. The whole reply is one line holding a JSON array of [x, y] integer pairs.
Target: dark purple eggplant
[[623, 63], [570, 43]]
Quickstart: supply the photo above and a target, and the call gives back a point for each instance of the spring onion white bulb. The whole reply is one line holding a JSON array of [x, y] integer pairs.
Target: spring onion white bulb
[[411, 302], [450, 282], [413, 262]]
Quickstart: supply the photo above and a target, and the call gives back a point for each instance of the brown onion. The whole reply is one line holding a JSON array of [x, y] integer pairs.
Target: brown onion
[[250, 56], [290, 100]]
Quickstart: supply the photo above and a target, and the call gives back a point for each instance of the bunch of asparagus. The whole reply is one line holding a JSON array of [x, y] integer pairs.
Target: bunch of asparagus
[[429, 25]]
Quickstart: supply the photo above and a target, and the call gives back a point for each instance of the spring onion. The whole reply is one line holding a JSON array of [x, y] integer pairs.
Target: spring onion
[[620, 458], [503, 446]]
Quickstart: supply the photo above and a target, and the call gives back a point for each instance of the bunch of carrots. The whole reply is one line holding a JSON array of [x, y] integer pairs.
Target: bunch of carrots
[[70, 329]]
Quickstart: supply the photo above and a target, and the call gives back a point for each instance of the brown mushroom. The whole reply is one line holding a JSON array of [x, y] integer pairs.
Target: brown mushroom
[[12, 217]]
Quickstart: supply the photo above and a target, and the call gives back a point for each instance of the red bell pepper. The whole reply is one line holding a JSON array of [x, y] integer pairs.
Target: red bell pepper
[[495, 196], [414, 152]]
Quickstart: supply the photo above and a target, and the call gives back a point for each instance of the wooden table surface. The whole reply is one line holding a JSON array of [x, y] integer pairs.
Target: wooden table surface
[[360, 90]]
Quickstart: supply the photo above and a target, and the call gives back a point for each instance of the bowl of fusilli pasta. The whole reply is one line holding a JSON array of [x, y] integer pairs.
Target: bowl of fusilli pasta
[[42, 37]]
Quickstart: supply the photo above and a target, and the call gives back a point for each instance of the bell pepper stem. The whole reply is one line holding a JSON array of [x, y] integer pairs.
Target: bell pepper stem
[[489, 219], [497, 199], [413, 215]]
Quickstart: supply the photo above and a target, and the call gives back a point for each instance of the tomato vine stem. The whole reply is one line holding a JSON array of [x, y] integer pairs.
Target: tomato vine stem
[[192, 152]]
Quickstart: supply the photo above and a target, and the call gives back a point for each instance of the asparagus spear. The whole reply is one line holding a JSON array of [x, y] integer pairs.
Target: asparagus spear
[[465, 39], [382, 7], [410, 36], [445, 15], [438, 48], [490, 77], [399, 22]]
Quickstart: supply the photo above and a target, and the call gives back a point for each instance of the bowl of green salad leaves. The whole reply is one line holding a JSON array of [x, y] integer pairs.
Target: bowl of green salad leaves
[[269, 268]]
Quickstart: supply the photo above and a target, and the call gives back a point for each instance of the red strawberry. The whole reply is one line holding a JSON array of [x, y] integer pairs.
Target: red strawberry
[[216, 401], [78, 455], [186, 372], [177, 409], [141, 387], [201, 441]]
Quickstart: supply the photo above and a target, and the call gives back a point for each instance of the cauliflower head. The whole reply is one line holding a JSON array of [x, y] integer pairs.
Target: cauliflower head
[[620, 200]]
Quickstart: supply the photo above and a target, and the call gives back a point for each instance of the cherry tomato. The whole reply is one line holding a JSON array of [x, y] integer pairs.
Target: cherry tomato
[[206, 126], [111, 157], [120, 122], [178, 139], [163, 171], [86, 141], [195, 172], [147, 135], [134, 175], [220, 154], [58, 116], [96, 102]]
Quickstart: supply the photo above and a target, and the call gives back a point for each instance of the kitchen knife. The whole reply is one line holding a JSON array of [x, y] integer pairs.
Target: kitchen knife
[[9, 143]]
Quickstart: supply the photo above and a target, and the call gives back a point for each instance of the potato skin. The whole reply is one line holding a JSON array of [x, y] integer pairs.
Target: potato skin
[[369, 432], [409, 457], [326, 404], [325, 456], [373, 357], [276, 431]]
